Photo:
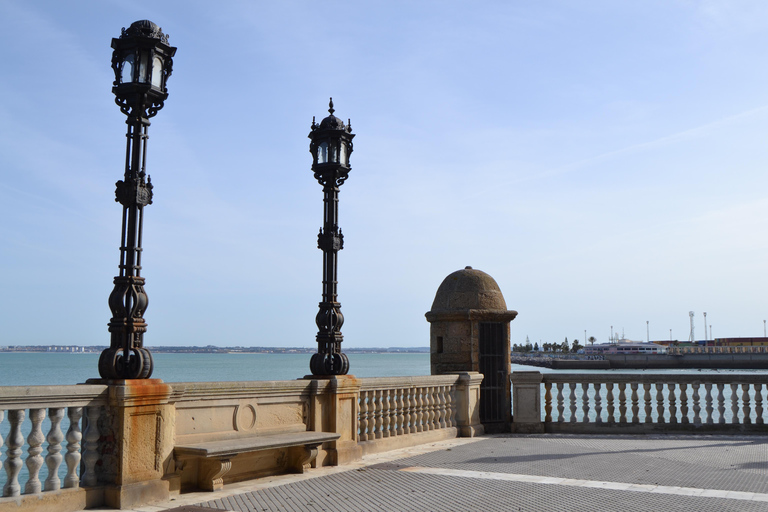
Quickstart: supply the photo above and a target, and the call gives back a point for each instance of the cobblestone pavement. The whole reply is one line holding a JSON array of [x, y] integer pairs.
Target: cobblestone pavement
[[522, 473]]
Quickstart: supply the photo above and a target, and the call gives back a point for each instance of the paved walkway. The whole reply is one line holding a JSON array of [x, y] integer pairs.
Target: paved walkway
[[522, 473]]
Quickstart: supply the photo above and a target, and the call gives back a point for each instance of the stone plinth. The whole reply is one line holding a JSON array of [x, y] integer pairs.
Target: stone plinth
[[136, 442]]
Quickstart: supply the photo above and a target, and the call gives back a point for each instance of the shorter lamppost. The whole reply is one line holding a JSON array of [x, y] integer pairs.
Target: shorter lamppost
[[142, 61], [331, 145]]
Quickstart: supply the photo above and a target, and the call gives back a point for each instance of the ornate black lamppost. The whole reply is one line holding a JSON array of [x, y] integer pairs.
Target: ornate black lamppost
[[142, 61], [330, 147]]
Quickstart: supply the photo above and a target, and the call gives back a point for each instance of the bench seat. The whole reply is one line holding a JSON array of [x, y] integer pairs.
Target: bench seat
[[217, 455]]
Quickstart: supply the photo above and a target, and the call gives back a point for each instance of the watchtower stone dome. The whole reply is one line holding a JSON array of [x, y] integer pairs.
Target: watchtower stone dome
[[468, 289]]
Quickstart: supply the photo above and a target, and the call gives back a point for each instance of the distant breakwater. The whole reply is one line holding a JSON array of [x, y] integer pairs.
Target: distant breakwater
[[757, 361]]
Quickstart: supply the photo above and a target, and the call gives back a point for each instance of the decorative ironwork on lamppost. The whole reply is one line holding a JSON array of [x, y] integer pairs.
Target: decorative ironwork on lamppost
[[330, 147], [142, 61]]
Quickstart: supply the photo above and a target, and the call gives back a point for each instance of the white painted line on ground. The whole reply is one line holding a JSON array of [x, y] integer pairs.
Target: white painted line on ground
[[614, 486]]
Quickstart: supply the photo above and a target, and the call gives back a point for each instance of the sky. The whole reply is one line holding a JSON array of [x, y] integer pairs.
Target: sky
[[604, 161]]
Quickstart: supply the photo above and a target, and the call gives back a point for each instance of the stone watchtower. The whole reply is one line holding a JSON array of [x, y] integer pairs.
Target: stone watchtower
[[469, 332]]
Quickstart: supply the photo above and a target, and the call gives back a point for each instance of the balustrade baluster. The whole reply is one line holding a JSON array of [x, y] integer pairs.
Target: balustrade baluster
[[758, 404], [393, 426], [708, 401], [430, 408], [371, 430], [13, 462], [430, 396], [745, 404], [560, 403], [622, 402], [34, 459], [696, 403], [721, 402], [734, 403], [684, 402], [54, 457], [598, 407], [635, 403], [72, 458], [672, 406], [385, 413], [421, 417], [408, 417], [585, 401], [609, 399], [572, 398], [393, 412], [90, 450], [401, 426], [660, 403], [415, 414], [438, 413], [647, 400], [449, 406], [379, 406], [371, 415], [363, 422], [441, 396], [548, 401]]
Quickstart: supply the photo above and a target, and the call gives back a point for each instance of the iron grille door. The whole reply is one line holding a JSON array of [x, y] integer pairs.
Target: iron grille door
[[493, 359]]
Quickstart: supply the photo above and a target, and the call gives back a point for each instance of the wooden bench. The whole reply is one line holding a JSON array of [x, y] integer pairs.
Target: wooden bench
[[216, 456]]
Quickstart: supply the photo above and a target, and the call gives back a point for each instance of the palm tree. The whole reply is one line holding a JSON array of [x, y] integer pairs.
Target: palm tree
[[592, 340]]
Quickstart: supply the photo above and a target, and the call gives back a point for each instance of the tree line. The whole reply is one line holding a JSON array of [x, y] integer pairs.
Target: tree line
[[562, 348]]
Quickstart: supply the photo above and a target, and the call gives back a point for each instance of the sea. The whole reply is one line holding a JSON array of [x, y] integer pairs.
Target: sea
[[57, 369], [54, 369]]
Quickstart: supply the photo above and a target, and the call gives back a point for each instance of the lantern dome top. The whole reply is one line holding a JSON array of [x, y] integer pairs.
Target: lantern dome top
[[468, 289], [144, 28], [331, 122]]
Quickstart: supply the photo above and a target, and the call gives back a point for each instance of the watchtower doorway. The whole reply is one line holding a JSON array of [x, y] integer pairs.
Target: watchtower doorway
[[494, 365]]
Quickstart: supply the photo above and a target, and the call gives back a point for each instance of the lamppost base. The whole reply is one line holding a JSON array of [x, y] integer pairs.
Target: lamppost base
[[336, 363]]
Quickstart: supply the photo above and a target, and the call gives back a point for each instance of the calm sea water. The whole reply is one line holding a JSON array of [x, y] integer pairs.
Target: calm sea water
[[35, 369]]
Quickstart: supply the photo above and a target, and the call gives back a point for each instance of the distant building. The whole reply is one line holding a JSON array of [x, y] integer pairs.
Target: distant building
[[631, 347]]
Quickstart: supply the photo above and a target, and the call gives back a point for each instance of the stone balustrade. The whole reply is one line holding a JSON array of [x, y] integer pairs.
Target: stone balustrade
[[403, 411], [638, 403], [48, 436], [54, 438]]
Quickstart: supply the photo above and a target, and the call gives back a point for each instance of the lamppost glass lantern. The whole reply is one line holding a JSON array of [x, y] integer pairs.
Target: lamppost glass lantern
[[331, 145], [142, 61]]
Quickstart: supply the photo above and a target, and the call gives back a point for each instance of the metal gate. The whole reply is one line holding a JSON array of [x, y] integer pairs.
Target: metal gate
[[493, 366]]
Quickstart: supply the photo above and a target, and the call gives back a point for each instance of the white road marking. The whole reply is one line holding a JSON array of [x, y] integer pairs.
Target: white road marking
[[615, 486]]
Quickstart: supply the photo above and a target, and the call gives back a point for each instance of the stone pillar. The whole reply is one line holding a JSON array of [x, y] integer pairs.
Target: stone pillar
[[468, 404], [137, 430], [526, 402], [334, 408]]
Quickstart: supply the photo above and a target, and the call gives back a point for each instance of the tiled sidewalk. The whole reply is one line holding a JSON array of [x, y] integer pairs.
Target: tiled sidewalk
[[523, 473]]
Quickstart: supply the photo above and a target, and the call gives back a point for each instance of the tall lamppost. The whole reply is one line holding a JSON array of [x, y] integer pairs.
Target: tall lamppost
[[142, 61], [331, 145]]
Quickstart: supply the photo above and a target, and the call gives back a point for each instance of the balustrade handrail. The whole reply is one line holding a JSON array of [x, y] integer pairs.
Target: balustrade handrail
[[45, 397], [374, 383], [652, 378]]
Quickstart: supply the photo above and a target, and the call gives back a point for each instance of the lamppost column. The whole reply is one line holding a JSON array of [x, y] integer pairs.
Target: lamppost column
[[331, 146], [142, 61]]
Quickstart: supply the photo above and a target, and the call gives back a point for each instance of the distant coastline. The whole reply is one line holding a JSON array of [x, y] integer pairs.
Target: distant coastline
[[210, 349]]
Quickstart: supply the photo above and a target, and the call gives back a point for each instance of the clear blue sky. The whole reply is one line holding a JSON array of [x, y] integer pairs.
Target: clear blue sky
[[604, 161]]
